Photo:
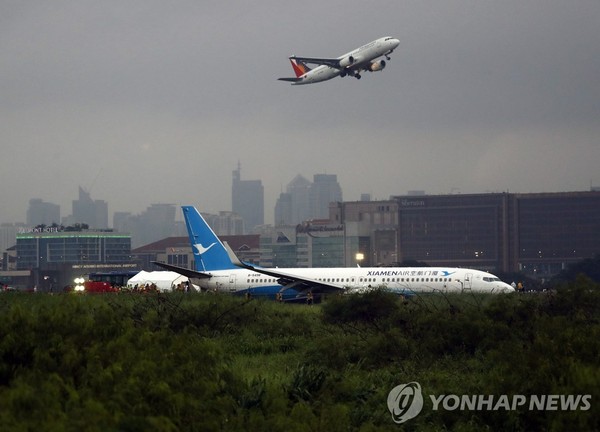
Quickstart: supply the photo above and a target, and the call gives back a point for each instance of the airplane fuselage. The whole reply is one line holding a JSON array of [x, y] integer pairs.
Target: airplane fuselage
[[351, 63], [217, 268], [401, 280]]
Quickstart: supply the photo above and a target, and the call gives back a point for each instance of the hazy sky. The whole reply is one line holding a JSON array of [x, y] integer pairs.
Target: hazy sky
[[145, 102]]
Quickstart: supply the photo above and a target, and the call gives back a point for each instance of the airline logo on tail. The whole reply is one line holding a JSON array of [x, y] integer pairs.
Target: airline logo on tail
[[299, 67], [201, 234], [200, 249]]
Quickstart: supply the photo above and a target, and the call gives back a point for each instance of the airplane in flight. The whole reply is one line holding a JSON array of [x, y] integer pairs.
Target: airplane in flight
[[349, 64], [217, 268]]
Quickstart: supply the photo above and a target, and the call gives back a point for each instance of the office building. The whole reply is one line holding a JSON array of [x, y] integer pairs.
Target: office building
[[93, 213], [325, 189], [225, 223], [537, 234], [305, 200], [248, 200], [42, 213]]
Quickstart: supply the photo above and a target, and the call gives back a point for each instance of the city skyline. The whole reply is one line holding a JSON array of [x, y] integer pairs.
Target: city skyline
[[146, 102], [85, 200], [179, 218]]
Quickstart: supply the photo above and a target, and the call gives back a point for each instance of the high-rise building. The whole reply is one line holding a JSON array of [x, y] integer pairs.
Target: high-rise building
[[158, 221], [123, 222], [42, 213], [248, 200], [93, 213], [155, 223], [283, 209], [305, 200], [299, 189], [225, 223], [324, 190]]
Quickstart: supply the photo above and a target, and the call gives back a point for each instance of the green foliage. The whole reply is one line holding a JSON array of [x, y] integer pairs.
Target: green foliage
[[307, 380], [183, 362], [367, 308]]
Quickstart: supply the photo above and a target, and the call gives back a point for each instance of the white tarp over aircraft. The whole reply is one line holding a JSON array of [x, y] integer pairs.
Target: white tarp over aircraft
[[164, 280]]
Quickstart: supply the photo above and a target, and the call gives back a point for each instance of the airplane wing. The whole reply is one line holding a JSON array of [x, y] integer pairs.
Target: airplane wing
[[331, 62], [288, 281], [183, 271]]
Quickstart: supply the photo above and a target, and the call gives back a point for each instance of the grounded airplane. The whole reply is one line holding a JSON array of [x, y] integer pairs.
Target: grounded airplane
[[218, 269], [352, 63]]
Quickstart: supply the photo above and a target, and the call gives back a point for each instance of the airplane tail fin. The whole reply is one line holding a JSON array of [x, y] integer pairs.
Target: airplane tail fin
[[300, 68], [209, 252]]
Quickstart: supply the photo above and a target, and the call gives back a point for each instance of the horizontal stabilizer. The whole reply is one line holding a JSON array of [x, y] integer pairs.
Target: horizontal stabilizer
[[290, 79]]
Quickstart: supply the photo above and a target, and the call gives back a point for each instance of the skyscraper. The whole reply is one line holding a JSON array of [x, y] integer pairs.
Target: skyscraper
[[324, 190], [42, 213], [248, 200], [90, 212], [283, 209], [305, 200]]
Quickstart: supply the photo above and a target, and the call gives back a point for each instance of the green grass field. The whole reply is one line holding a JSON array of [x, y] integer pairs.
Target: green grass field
[[129, 362]]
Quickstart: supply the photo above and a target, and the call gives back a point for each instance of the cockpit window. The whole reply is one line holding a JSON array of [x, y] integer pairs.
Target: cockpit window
[[491, 279]]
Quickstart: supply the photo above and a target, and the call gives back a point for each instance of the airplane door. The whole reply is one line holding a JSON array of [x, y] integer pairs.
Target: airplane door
[[232, 282], [468, 280]]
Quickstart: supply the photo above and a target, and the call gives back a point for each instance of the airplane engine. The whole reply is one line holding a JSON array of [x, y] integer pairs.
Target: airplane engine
[[377, 65], [348, 61]]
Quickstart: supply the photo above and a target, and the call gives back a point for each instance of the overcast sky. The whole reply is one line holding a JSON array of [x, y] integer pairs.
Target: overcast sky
[[143, 102]]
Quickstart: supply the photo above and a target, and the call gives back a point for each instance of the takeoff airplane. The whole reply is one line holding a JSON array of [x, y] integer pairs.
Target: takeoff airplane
[[217, 268], [352, 63]]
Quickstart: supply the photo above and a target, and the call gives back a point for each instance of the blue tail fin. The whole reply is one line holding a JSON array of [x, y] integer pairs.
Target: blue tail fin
[[209, 252]]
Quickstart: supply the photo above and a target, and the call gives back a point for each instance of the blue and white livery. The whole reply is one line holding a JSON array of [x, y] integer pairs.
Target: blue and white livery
[[217, 268]]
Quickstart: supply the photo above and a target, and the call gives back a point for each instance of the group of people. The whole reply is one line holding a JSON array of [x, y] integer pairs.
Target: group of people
[[519, 287], [144, 288]]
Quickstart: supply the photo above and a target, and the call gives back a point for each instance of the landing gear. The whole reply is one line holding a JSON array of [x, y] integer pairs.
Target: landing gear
[[357, 76]]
